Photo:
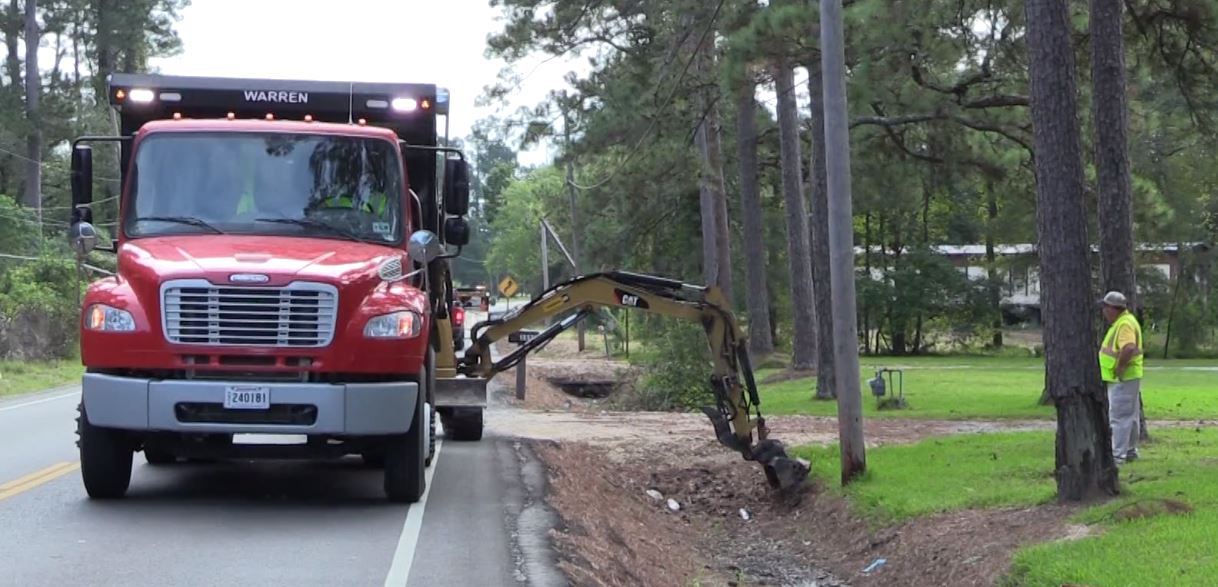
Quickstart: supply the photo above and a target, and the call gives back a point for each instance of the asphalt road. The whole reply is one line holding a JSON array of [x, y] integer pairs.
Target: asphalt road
[[482, 522]]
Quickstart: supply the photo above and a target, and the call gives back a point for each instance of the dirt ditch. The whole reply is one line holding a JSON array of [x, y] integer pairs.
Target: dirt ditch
[[613, 474]]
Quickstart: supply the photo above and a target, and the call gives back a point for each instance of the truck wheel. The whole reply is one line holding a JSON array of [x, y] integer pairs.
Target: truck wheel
[[105, 458], [406, 456], [156, 456], [463, 425]]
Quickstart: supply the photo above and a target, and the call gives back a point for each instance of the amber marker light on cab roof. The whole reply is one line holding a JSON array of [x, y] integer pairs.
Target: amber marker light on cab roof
[[177, 116], [270, 116], [231, 116], [308, 118], [120, 94], [363, 121]]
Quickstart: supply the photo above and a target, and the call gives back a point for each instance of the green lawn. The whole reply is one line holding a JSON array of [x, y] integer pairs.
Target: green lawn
[[27, 376], [981, 470], [998, 387]]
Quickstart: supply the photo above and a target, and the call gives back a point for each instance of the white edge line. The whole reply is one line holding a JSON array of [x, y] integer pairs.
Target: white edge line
[[403, 556], [39, 401]]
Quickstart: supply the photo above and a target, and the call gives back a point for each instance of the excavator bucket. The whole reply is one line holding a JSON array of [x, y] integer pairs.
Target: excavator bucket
[[783, 473]]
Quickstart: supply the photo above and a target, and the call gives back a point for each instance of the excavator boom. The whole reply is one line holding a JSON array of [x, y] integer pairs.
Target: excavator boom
[[735, 415]]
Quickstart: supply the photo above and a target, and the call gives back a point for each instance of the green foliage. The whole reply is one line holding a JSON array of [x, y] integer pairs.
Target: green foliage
[[676, 367], [38, 309], [17, 377]]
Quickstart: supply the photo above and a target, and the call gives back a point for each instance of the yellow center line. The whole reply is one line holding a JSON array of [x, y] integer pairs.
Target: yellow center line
[[28, 482]]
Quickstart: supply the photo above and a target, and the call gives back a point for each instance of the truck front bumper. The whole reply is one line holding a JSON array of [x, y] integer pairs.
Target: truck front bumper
[[353, 409]]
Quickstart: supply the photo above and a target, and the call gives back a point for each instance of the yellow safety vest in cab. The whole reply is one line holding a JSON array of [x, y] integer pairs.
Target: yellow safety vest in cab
[[1110, 352], [375, 203]]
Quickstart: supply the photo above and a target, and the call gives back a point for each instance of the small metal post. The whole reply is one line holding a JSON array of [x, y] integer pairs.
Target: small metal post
[[521, 376]]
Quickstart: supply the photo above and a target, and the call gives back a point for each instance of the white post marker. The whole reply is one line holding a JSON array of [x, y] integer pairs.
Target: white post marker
[[403, 556]]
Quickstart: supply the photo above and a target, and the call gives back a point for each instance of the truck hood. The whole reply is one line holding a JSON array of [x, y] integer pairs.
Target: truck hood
[[281, 259]]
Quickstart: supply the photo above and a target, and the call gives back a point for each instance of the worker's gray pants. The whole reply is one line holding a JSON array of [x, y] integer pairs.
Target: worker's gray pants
[[1123, 411]]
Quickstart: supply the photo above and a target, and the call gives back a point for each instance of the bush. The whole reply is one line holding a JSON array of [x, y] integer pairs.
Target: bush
[[38, 310], [676, 369]]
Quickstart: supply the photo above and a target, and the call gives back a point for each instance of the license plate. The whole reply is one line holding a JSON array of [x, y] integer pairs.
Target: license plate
[[247, 397]]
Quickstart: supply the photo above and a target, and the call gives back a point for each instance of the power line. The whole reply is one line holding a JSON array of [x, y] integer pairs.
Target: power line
[[48, 164]]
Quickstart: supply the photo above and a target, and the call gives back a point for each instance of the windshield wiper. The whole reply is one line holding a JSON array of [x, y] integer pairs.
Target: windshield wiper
[[190, 220], [310, 223]]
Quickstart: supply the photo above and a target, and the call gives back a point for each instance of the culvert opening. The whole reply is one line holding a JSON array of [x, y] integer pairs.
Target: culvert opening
[[586, 389]]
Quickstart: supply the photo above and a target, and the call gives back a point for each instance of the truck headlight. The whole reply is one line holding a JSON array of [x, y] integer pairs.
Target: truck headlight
[[101, 317], [404, 324]]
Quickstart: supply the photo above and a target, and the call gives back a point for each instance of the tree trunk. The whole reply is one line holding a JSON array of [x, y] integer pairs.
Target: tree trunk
[[12, 23], [819, 225], [756, 291], [716, 243], [841, 242], [991, 264], [33, 92], [103, 47], [867, 274], [803, 301], [1084, 463], [1111, 115]]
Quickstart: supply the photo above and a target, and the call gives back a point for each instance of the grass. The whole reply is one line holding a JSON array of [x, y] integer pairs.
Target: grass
[[944, 474], [958, 388], [1153, 546], [17, 377]]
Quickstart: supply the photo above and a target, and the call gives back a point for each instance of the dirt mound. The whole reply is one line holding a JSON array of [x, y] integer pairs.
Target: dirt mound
[[1149, 508], [608, 536]]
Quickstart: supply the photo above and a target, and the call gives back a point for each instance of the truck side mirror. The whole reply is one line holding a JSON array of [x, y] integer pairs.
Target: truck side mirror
[[424, 247], [456, 187], [456, 231], [82, 176], [83, 237]]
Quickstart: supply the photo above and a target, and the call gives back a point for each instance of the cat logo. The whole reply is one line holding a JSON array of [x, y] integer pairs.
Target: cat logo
[[630, 300]]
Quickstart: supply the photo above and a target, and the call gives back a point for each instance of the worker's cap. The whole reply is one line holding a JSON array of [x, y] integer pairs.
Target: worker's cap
[[1115, 299]]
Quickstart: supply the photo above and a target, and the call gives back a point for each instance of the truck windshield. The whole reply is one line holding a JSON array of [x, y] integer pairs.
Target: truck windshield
[[325, 186]]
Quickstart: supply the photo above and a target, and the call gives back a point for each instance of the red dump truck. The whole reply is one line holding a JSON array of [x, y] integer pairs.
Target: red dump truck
[[282, 269]]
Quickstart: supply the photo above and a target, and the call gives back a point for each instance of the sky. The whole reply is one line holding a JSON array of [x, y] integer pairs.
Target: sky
[[434, 41]]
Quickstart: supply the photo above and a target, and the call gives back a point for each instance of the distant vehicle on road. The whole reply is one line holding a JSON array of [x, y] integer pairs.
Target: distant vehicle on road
[[474, 297]]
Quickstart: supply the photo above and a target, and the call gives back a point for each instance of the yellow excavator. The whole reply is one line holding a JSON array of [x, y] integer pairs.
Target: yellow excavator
[[735, 415]]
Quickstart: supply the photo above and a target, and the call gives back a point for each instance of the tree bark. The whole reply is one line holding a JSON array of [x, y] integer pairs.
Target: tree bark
[[1084, 463], [991, 264], [756, 291], [841, 243], [12, 32], [716, 240], [799, 259], [33, 92], [819, 232], [1111, 115]]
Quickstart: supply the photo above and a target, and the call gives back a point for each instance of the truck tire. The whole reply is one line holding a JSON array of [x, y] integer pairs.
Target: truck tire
[[463, 424], [406, 455], [373, 457], [105, 458]]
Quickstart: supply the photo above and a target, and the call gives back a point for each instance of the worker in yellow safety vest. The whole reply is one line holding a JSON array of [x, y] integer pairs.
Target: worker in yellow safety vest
[[1121, 369]]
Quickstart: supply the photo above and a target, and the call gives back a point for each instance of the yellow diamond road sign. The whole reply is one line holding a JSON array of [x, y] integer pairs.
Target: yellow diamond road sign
[[508, 286]]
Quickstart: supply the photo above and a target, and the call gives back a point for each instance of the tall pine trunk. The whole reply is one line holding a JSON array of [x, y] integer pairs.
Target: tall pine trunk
[[756, 290], [1084, 463], [716, 243], [991, 264], [819, 225], [33, 93], [1111, 115], [798, 254], [12, 22]]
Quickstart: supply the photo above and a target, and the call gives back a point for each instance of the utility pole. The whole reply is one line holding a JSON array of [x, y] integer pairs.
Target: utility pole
[[841, 243], [33, 87], [575, 226]]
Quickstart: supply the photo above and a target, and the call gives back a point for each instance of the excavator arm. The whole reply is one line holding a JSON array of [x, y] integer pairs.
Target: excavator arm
[[735, 415]]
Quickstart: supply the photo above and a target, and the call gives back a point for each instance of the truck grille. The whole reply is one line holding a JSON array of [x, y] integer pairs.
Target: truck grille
[[298, 315]]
